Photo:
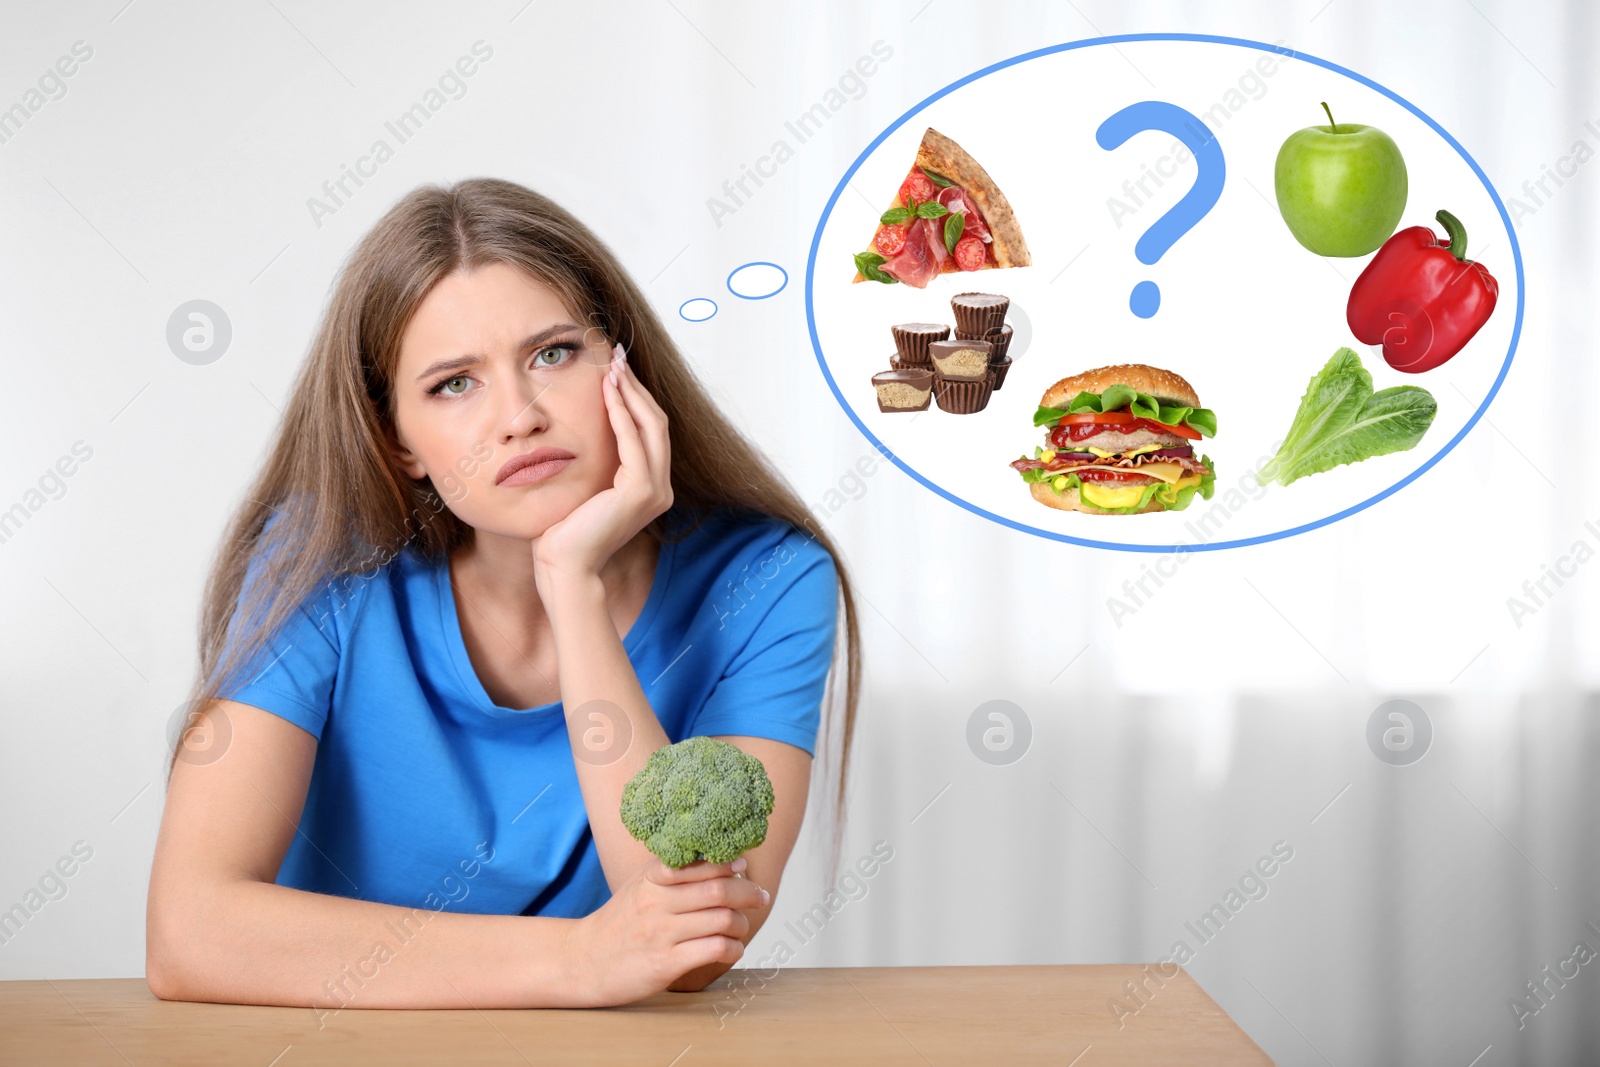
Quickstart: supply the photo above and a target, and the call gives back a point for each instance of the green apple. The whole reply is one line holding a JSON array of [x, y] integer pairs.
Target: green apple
[[1341, 187]]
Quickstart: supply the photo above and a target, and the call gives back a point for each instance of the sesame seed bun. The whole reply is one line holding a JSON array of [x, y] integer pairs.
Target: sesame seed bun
[[1161, 384]]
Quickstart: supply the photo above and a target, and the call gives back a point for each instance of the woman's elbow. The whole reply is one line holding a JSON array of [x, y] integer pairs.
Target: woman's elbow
[[162, 972], [163, 965], [169, 946]]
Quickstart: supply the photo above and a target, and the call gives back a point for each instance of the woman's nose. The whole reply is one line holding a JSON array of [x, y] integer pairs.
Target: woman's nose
[[521, 411]]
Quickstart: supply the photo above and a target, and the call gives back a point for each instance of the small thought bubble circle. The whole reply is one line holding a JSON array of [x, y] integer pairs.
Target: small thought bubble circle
[[199, 739], [999, 732], [1399, 732], [757, 281], [605, 733], [697, 309], [199, 332]]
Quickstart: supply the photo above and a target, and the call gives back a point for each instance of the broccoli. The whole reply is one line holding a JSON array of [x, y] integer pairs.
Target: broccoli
[[698, 799]]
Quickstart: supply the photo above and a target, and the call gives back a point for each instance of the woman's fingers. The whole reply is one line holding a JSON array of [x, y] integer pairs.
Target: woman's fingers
[[706, 922], [713, 888], [698, 871], [630, 449], [651, 419], [704, 951]]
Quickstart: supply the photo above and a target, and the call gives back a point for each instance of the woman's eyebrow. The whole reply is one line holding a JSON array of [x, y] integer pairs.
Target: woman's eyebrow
[[460, 362]]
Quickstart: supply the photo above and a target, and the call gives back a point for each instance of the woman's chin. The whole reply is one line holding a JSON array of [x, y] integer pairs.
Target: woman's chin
[[514, 527]]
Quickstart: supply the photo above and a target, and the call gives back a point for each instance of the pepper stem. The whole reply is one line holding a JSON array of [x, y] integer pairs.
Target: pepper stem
[[1457, 232], [1333, 127]]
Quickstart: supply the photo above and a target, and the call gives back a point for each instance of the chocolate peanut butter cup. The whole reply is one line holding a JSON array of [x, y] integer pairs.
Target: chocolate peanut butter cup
[[903, 389], [963, 397], [999, 337], [911, 339], [963, 360], [999, 371], [976, 313]]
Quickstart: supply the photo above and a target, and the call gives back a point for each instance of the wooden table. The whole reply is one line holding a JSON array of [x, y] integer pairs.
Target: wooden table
[[833, 1015]]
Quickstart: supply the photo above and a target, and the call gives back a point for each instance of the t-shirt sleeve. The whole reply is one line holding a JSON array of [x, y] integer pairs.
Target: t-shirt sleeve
[[774, 685], [293, 676]]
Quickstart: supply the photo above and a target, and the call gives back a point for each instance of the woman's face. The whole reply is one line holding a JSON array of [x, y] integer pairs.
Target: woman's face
[[492, 366]]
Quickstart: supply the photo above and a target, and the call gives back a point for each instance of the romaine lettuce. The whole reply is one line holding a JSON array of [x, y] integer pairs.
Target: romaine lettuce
[[1341, 420]]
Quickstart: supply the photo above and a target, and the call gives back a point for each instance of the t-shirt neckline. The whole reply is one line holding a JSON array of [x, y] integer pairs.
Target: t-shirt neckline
[[450, 623]]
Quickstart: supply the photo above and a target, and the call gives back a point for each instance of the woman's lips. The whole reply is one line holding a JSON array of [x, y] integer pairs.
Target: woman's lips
[[537, 472]]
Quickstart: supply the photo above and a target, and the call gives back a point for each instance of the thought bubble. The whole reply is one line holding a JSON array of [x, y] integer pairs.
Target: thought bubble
[[1247, 315]]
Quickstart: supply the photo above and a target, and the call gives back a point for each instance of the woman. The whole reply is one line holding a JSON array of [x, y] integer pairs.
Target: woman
[[481, 578]]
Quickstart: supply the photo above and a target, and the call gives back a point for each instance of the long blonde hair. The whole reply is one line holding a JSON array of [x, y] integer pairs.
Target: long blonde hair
[[340, 506]]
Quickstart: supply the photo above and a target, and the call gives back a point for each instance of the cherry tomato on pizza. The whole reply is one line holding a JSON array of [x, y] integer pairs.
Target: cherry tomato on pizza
[[889, 240], [970, 253], [917, 186]]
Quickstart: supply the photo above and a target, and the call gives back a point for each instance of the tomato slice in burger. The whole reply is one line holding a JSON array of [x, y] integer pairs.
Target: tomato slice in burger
[[889, 240], [1115, 477], [1128, 423], [1187, 432]]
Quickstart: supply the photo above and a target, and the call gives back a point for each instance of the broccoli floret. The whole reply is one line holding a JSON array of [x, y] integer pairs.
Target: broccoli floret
[[698, 799]]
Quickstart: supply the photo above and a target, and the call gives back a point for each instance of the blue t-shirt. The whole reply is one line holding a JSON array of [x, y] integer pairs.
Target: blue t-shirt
[[426, 793]]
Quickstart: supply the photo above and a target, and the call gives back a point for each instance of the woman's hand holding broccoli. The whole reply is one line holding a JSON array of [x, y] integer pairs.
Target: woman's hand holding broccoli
[[661, 924], [697, 805]]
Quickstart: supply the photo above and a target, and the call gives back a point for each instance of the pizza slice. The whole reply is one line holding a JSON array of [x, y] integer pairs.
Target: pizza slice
[[948, 216]]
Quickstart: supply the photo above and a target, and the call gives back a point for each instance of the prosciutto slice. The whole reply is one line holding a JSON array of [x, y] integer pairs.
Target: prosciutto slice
[[933, 234], [954, 199], [915, 265]]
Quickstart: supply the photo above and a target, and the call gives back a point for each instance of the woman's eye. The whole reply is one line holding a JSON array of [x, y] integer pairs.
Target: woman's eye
[[560, 352], [550, 356]]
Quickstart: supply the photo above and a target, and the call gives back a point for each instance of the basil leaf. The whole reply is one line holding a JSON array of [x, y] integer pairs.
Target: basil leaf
[[938, 179], [930, 209], [1341, 420], [953, 227], [867, 263], [894, 216]]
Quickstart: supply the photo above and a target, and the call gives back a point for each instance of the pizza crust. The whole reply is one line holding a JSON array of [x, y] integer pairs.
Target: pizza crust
[[944, 157]]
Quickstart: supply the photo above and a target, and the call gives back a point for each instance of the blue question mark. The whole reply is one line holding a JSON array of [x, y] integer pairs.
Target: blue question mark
[[1201, 197]]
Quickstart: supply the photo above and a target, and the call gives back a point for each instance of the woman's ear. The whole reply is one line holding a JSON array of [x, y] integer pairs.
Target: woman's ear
[[404, 458]]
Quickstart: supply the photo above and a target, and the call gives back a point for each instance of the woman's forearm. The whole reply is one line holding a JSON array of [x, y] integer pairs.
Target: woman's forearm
[[612, 727], [250, 942]]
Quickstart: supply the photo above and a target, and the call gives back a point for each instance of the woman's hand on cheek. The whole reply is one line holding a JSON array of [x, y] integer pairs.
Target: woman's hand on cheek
[[581, 543]]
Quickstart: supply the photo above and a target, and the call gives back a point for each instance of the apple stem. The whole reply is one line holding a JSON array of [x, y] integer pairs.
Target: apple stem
[[1457, 232], [1332, 126]]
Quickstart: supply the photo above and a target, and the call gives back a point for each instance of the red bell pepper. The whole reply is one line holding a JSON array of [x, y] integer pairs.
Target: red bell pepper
[[1422, 300]]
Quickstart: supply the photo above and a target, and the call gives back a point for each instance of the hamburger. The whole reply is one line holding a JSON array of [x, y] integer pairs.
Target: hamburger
[[1120, 440]]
